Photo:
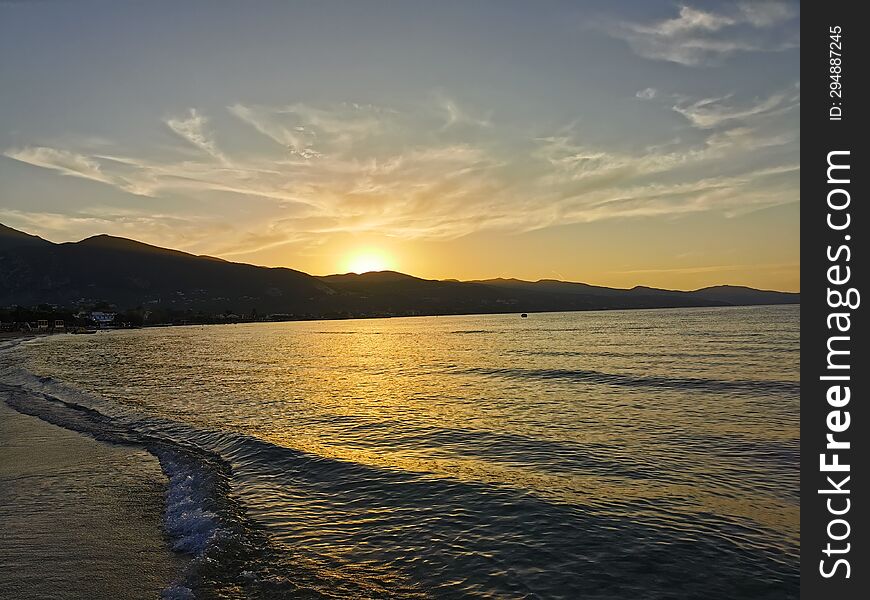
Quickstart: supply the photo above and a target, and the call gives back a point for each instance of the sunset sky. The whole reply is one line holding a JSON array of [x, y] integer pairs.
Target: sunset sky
[[614, 143]]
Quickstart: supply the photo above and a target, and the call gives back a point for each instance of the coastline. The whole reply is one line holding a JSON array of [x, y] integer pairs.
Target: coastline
[[79, 518], [14, 335], [17, 335]]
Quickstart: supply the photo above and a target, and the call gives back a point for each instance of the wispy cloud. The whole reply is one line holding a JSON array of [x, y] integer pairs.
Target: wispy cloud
[[351, 168], [306, 131], [764, 13], [63, 161], [78, 164], [177, 231], [708, 113], [193, 129], [697, 37], [714, 268], [296, 139], [455, 115]]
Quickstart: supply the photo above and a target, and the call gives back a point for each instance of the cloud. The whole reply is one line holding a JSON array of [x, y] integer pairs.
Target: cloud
[[762, 13], [749, 138], [192, 129], [708, 113], [77, 164], [698, 37], [66, 162], [714, 268], [690, 20], [296, 139], [647, 93], [146, 225], [306, 131], [364, 169], [458, 116]]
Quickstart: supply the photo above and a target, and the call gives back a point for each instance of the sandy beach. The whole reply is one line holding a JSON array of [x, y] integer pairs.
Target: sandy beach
[[79, 518]]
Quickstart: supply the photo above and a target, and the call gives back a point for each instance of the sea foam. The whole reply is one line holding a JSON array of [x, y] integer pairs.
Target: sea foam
[[187, 522]]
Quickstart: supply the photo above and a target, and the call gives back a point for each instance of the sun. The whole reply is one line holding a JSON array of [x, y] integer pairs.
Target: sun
[[365, 262]]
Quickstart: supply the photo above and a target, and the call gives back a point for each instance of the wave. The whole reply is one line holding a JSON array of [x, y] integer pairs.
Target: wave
[[400, 528], [200, 518], [650, 381], [232, 555], [640, 353], [192, 526], [472, 331]]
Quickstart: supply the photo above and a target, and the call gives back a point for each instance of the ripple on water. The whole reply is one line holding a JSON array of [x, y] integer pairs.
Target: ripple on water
[[599, 455]]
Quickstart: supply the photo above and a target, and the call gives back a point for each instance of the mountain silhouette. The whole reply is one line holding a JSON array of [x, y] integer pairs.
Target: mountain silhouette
[[130, 274]]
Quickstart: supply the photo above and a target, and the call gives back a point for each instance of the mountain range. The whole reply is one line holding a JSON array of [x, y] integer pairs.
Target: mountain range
[[127, 274]]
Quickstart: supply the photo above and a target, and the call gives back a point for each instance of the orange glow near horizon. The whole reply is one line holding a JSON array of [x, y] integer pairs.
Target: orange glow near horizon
[[365, 261]]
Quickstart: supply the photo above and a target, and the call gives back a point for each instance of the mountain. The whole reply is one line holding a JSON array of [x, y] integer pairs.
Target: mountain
[[738, 294], [641, 296], [388, 291], [13, 237], [128, 274]]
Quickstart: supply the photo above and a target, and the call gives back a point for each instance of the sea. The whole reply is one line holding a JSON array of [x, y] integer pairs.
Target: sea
[[577, 455]]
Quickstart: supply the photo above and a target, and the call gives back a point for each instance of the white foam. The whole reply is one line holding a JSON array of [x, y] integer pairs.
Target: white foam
[[191, 527], [177, 592]]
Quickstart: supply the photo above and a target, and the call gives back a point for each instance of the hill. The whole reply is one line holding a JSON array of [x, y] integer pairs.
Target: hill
[[128, 274]]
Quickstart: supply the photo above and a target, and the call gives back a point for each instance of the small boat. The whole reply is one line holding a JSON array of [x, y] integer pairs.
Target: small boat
[[524, 315]]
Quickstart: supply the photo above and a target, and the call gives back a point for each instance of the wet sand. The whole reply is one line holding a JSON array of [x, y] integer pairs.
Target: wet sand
[[79, 518]]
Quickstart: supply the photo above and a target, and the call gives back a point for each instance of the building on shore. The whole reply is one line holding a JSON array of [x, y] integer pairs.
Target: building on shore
[[97, 318]]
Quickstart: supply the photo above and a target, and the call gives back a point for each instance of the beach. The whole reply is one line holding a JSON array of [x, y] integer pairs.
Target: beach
[[79, 518]]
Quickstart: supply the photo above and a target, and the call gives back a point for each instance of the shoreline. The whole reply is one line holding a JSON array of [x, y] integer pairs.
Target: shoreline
[[12, 335], [17, 335], [79, 517]]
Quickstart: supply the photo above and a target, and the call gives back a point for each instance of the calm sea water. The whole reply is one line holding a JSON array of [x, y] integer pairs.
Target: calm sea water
[[624, 454]]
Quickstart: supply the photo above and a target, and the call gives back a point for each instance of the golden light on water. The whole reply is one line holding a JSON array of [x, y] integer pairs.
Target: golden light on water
[[465, 409], [367, 261]]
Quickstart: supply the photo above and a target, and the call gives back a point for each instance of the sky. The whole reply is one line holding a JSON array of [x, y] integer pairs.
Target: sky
[[613, 143]]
